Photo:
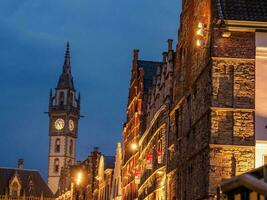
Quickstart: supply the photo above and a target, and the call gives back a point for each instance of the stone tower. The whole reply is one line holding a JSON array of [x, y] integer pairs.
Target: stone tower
[[64, 114]]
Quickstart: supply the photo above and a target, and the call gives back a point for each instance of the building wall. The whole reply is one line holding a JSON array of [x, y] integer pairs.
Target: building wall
[[212, 121], [131, 131]]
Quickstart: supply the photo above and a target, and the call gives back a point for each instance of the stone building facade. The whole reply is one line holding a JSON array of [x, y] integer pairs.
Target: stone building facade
[[153, 140], [212, 123]]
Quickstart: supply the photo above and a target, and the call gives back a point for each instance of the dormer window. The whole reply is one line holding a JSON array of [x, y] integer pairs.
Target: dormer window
[[14, 187]]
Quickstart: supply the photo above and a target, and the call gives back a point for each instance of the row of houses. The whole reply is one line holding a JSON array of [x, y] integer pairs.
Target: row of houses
[[198, 117], [98, 177]]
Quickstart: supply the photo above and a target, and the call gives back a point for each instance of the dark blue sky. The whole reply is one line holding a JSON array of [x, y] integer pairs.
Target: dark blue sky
[[102, 35]]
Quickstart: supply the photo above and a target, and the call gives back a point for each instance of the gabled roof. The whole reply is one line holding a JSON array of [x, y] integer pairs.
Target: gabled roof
[[150, 70], [243, 10], [66, 80], [39, 185]]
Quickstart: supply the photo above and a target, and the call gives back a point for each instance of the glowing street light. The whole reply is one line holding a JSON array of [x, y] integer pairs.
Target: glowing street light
[[134, 146], [79, 178], [200, 34]]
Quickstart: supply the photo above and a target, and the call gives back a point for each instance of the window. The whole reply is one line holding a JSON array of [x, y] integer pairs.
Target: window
[[56, 165], [61, 99], [177, 117], [57, 145], [265, 160], [71, 147], [71, 98]]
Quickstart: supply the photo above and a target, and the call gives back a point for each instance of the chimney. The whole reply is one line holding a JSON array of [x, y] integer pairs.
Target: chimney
[[170, 44], [136, 52], [21, 164], [164, 57]]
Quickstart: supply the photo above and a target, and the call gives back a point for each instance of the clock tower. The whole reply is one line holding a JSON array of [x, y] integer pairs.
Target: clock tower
[[64, 114]]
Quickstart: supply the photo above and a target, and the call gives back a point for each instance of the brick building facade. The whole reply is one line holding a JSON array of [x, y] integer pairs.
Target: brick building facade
[[142, 78]]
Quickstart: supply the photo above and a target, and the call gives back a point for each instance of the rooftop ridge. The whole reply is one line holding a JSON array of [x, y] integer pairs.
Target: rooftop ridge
[[19, 169]]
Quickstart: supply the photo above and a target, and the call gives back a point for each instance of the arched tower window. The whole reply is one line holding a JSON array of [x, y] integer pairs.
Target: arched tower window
[[71, 99], [56, 165], [61, 99], [71, 147], [57, 145]]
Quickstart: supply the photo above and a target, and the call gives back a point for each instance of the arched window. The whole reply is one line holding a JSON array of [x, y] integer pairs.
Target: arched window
[[61, 99], [71, 99], [57, 145], [71, 147], [56, 165]]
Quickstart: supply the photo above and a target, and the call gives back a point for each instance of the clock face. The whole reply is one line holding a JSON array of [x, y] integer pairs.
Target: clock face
[[59, 124], [71, 125]]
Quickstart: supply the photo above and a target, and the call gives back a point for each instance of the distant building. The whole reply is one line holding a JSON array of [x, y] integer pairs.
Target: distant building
[[100, 178], [105, 177], [64, 114], [20, 183], [116, 192]]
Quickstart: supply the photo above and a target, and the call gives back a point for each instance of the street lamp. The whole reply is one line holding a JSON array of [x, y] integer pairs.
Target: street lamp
[[134, 146], [79, 178]]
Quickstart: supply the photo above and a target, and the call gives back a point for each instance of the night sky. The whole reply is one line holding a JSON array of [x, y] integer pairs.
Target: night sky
[[102, 35]]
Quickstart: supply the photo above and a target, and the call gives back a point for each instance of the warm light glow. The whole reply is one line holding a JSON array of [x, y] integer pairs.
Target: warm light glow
[[200, 32], [134, 146], [199, 43], [79, 178], [200, 25]]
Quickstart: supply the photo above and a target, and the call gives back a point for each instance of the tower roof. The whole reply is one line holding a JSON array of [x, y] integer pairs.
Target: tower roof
[[66, 80]]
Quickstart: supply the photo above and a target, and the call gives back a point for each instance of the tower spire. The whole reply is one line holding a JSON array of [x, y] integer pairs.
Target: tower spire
[[65, 79], [67, 58]]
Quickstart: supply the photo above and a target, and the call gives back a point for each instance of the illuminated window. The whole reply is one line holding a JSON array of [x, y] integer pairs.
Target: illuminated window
[[56, 165], [57, 145], [265, 160]]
